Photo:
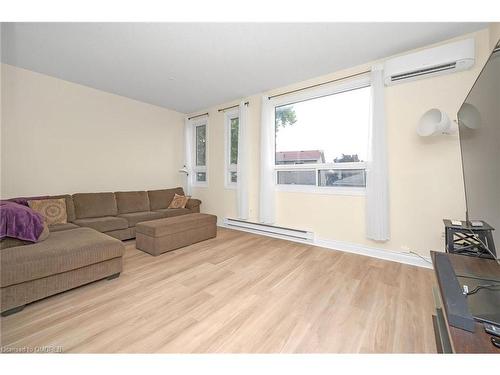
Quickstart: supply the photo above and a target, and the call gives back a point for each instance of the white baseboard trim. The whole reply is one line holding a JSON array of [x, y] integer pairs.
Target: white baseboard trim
[[405, 258], [393, 256]]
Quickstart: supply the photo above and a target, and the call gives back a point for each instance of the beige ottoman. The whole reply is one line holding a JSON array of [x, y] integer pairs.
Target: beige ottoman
[[159, 236]]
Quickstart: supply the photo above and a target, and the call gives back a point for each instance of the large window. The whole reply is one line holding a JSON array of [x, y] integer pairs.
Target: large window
[[232, 132], [322, 142], [200, 153]]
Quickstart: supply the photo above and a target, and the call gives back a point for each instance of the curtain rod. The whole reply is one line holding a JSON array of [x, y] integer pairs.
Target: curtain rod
[[233, 106], [203, 114], [319, 84]]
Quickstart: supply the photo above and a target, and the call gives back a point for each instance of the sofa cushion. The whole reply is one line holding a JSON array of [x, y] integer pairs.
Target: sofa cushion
[[179, 201], [159, 199], [103, 224], [171, 212], [60, 227], [70, 207], [94, 205], [136, 217], [60, 252], [193, 204], [7, 242], [122, 234], [132, 201], [52, 210]]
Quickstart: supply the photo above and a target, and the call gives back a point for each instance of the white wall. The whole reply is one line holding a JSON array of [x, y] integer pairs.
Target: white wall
[[61, 137], [425, 173]]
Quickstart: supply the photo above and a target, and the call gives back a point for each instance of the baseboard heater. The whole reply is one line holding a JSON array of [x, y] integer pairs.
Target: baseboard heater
[[270, 230]]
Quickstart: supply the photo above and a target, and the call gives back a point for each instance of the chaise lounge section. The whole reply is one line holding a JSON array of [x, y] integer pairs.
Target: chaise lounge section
[[65, 260]]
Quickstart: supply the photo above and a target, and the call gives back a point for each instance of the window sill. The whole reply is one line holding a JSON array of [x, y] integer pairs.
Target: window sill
[[340, 190], [200, 185], [230, 187]]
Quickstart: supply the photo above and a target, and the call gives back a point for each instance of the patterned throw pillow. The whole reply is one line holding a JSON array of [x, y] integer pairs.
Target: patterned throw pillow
[[52, 210], [179, 201]]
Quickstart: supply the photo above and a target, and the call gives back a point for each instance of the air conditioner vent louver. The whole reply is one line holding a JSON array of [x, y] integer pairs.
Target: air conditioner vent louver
[[421, 72], [448, 58]]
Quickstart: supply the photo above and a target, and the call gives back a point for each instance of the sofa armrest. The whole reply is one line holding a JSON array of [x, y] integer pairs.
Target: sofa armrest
[[193, 204]]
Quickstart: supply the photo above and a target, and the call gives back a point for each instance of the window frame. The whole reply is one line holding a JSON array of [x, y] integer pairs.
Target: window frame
[[228, 167], [195, 123], [341, 190], [317, 93]]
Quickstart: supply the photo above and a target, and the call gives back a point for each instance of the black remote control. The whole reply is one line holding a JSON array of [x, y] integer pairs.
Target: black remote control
[[492, 329]]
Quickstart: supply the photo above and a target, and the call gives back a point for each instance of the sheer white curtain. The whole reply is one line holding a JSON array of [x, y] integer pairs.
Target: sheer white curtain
[[267, 133], [188, 148], [243, 163], [377, 184]]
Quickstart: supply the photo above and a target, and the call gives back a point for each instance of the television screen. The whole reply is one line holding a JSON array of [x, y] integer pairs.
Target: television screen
[[479, 127]]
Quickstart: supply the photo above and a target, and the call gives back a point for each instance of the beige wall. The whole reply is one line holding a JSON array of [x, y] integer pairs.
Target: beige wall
[[60, 137], [425, 173]]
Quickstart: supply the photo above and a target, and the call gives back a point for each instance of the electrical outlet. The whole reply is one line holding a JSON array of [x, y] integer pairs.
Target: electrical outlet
[[405, 248]]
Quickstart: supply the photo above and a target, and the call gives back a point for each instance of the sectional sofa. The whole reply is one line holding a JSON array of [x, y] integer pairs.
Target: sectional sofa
[[116, 214], [85, 249]]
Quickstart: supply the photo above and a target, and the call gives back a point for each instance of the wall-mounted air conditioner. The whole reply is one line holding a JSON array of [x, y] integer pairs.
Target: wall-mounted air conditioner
[[449, 58]]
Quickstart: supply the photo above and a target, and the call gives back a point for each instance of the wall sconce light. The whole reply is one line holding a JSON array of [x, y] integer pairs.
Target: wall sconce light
[[435, 121], [469, 116]]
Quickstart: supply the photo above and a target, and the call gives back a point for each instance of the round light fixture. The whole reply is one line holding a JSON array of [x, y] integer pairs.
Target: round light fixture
[[435, 121], [469, 116]]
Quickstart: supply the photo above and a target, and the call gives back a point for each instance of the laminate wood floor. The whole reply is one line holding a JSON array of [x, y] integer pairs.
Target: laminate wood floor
[[238, 293]]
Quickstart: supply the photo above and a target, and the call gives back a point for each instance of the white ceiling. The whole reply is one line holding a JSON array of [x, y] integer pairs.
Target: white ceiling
[[188, 66]]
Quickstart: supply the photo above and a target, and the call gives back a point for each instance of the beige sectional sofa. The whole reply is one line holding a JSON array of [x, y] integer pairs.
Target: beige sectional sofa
[[117, 214], [85, 249]]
